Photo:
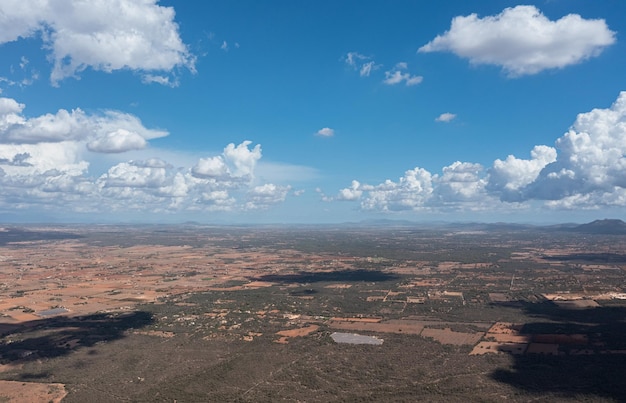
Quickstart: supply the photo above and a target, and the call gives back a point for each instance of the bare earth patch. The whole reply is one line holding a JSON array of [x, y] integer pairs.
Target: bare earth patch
[[390, 326], [448, 336], [299, 332], [13, 391], [493, 347]]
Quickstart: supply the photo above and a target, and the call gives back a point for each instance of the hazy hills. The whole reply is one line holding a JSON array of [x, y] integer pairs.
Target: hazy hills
[[606, 226]]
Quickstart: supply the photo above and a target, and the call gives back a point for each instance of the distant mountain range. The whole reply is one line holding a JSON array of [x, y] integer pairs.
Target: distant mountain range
[[607, 226], [25, 232]]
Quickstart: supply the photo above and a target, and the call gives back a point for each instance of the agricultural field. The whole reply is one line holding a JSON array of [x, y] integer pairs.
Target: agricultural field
[[349, 313]]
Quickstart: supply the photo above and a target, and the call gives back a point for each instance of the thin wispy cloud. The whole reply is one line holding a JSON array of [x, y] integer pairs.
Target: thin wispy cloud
[[399, 75], [365, 65]]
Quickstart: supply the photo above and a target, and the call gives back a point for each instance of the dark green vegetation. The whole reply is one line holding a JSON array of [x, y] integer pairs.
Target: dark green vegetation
[[9, 235], [221, 345]]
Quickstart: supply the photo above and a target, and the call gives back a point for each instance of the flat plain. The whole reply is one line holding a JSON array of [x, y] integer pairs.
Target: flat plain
[[199, 313]]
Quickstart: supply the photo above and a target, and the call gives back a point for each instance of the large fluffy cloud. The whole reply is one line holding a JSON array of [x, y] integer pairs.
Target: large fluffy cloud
[[117, 141], [105, 35], [591, 161], [109, 132], [508, 177], [44, 164], [55, 175], [460, 186], [460, 183], [220, 183], [235, 164], [354, 192], [523, 41], [410, 192], [585, 170], [44, 175], [35, 159]]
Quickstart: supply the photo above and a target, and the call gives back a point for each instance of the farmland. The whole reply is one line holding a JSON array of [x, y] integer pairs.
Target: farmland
[[200, 313]]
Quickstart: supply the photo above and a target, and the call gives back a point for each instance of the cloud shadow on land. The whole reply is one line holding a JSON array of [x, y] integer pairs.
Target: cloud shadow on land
[[59, 336], [21, 235], [568, 376], [591, 353], [341, 276], [589, 257]]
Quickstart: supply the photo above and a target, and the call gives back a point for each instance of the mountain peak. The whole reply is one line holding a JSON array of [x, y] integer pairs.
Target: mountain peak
[[606, 226]]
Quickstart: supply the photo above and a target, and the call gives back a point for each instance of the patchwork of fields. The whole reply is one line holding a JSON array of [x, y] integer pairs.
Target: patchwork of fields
[[188, 313]]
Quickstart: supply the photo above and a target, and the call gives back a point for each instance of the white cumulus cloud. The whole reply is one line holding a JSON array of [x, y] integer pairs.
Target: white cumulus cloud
[[242, 160], [264, 196], [585, 170], [237, 163], [104, 35], [445, 117], [410, 192], [591, 159], [117, 141], [325, 132], [399, 74], [45, 162], [37, 159], [110, 131], [509, 176], [352, 193], [135, 174], [461, 182], [212, 167], [523, 41], [9, 107], [461, 186]]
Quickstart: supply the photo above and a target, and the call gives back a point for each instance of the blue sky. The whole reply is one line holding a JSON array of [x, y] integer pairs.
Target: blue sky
[[312, 112]]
